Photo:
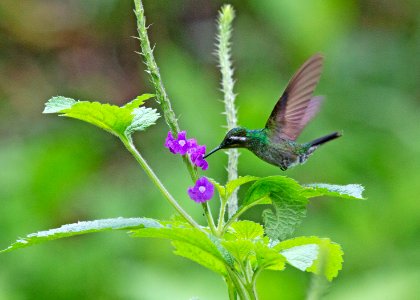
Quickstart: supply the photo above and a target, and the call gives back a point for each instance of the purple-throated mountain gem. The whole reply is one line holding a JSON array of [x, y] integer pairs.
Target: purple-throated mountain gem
[[275, 143]]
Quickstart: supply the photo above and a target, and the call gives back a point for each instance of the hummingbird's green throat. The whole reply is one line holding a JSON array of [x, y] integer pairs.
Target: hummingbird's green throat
[[275, 143]]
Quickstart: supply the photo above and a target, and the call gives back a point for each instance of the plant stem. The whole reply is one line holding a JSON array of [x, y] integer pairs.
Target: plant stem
[[153, 71], [241, 211], [240, 288], [221, 219], [226, 16], [161, 95], [142, 162], [231, 288], [209, 217]]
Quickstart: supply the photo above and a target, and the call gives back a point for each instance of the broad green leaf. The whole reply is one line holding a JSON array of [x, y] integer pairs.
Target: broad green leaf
[[289, 206], [233, 184], [120, 121], [301, 257], [268, 258], [349, 191], [138, 101], [143, 118], [109, 117], [247, 230], [57, 104], [240, 249], [330, 259], [83, 228], [187, 235], [199, 256], [327, 259]]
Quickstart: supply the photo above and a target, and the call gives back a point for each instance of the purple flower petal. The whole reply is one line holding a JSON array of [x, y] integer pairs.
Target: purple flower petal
[[179, 145], [202, 191], [169, 142], [197, 159], [192, 144]]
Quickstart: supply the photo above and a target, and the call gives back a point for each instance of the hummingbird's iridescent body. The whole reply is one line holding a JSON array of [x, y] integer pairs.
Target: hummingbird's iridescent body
[[275, 143]]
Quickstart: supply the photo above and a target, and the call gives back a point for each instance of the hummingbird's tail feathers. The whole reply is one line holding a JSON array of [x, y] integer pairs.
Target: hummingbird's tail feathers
[[325, 139]]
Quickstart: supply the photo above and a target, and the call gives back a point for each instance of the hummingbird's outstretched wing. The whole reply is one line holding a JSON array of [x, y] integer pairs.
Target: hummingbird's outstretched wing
[[296, 106]]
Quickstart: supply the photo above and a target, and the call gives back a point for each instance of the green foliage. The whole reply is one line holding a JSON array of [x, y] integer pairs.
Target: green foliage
[[234, 184], [189, 242], [226, 191], [289, 206], [85, 227], [349, 191], [245, 241], [57, 104], [200, 256], [313, 254], [247, 230], [120, 121]]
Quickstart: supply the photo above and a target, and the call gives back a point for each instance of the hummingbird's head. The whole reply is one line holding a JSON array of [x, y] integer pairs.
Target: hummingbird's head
[[235, 138]]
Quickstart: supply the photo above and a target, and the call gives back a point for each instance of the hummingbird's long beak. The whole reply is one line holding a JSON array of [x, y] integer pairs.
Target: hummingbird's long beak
[[212, 151]]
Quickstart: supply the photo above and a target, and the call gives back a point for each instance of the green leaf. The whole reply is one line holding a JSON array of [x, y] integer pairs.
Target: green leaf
[[199, 256], [83, 228], [57, 104], [186, 234], [289, 206], [143, 118], [301, 257], [120, 121], [313, 254], [233, 184], [349, 191], [268, 258], [247, 230], [240, 249], [138, 101], [220, 188]]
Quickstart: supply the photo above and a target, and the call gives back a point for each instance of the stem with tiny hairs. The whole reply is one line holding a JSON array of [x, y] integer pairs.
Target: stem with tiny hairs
[[132, 149], [161, 95], [226, 16], [155, 78]]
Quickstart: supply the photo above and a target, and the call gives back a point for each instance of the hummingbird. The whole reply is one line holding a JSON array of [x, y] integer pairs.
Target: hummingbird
[[276, 142]]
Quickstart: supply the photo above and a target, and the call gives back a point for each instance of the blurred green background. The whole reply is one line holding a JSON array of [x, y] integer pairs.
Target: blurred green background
[[56, 171]]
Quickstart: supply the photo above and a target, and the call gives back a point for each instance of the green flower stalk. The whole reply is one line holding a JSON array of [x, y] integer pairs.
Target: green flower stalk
[[223, 51], [156, 80]]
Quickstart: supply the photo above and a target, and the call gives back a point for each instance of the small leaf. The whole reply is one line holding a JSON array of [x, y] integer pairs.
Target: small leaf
[[240, 249], [138, 101], [233, 184], [57, 104], [349, 191], [108, 117], [300, 251], [268, 258], [143, 118], [187, 235], [199, 256], [83, 228], [247, 230], [220, 188], [289, 206], [301, 257], [120, 121]]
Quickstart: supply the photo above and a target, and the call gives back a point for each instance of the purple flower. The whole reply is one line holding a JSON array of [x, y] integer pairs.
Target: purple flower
[[202, 191], [179, 145], [197, 159], [183, 146]]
